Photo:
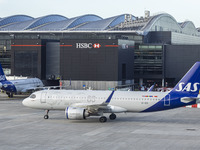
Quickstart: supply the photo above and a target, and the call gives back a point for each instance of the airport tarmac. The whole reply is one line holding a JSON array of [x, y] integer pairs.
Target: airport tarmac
[[25, 128]]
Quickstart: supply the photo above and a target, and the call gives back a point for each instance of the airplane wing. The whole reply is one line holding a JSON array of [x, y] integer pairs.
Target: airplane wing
[[102, 107], [39, 88], [30, 89], [51, 87]]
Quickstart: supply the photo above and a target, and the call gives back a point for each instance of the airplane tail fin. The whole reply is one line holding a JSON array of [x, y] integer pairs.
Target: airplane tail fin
[[2, 75], [189, 85], [183, 94]]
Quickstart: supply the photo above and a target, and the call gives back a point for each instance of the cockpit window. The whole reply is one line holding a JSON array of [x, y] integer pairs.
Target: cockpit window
[[33, 96]]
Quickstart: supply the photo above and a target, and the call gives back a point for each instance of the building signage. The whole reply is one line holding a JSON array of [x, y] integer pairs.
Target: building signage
[[96, 45], [88, 45]]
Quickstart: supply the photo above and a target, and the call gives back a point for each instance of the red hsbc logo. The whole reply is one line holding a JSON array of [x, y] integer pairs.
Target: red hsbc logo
[[96, 45]]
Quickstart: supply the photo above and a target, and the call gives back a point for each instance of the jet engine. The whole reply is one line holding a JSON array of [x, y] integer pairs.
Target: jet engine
[[76, 113]]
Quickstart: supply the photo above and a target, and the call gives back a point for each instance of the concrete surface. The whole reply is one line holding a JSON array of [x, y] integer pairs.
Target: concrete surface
[[24, 128]]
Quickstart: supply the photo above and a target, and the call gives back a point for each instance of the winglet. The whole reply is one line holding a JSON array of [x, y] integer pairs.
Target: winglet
[[109, 98], [151, 88]]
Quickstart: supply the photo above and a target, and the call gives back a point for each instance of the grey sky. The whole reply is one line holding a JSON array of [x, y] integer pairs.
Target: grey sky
[[181, 10]]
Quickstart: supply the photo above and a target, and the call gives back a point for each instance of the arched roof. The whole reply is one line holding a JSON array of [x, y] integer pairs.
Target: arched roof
[[104, 24], [70, 23], [12, 19], [90, 22], [166, 22], [188, 27], [33, 23], [44, 20]]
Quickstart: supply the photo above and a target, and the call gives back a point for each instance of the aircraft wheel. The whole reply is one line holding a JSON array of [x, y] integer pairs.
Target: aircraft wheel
[[46, 117], [8, 94], [102, 119], [11, 95], [112, 117]]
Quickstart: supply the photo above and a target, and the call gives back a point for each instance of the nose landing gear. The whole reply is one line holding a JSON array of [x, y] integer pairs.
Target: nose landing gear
[[46, 116]]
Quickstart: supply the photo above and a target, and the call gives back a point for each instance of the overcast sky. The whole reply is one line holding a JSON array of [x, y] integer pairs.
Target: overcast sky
[[181, 10]]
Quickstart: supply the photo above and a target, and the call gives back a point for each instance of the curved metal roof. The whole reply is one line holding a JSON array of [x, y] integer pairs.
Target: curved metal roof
[[157, 20], [70, 23], [187, 23], [166, 22], [90, 22], [13, 19], [103, 24], [33, 23], [188, 27], [46, 19]]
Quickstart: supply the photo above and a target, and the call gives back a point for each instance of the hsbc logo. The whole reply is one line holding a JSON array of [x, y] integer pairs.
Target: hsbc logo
[[87, 45], [83, 45], [96, 45]]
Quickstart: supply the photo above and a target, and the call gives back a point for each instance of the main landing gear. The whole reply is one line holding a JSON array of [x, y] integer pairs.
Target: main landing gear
[[103, 119], [46, 116], [112, 116], [10, 95]]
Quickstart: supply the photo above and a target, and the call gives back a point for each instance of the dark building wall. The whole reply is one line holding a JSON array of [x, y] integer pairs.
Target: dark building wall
[[158, 37], [52, 60], [79, 62], [126, 60], [179, 59], [27, 58]]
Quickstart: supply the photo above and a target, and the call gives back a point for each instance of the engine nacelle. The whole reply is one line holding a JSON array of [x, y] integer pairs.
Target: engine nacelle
[[76, 113]]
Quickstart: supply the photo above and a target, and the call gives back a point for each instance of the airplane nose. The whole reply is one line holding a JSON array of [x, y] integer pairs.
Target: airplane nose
[[25, 102]]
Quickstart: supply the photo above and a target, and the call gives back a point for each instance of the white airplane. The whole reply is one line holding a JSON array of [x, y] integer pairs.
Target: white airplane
[[80, 104], [18, 86]]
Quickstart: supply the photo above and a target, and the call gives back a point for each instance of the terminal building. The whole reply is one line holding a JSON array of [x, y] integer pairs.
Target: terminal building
[[89, 51]]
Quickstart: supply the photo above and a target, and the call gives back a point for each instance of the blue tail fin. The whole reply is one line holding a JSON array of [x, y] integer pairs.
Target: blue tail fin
[[184, 93], [189, 85], [2, 75]]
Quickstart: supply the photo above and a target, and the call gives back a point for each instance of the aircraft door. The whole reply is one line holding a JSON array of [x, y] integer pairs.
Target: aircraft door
[[43, 97], [167, 100]]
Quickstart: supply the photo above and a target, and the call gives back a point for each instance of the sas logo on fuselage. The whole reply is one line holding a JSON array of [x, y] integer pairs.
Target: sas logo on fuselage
[[189, 87]]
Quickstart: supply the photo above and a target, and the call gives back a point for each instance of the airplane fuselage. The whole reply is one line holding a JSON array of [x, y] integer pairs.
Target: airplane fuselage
[[82, 104], [21, 85], [126, 101]]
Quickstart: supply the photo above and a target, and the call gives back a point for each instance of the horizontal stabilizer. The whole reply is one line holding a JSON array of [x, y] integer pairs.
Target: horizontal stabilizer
[[190, 99]]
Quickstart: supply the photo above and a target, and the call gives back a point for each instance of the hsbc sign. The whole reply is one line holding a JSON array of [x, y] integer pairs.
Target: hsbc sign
[[96, 45], [83, 45], [87, 45]]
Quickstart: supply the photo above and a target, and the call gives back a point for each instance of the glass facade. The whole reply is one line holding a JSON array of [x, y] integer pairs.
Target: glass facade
[[5, 56], [26, 62], [148, 61]]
